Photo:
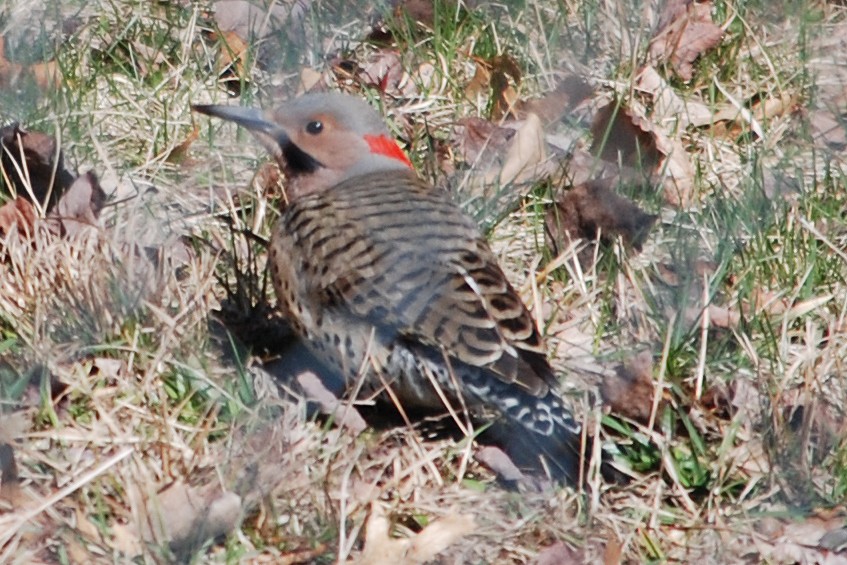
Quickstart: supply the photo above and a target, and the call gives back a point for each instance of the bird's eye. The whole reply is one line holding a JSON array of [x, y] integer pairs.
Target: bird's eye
[[314, 127]]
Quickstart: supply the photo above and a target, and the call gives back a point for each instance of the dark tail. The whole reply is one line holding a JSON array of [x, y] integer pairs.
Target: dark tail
[[541, 436]]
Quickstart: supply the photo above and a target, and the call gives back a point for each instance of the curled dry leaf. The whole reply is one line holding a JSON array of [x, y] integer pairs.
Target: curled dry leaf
[[232, 55], [505, 81], [17, 214], [685, 32], [492, 189], [46, 74], [33, 163], [382, 549], [593, 210], [620, 135], [187, 516], [571, 91], [630, 392], [79, 207], [481, 143], [257, 22], [671, 112]]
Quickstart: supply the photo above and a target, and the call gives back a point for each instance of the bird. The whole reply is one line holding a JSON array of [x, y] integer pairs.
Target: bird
[[387, 281]]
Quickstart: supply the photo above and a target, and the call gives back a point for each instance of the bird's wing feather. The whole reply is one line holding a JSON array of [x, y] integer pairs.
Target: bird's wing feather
[[407, 260]]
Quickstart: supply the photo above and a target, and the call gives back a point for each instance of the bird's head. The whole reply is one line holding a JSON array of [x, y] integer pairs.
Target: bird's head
[[319, 139]]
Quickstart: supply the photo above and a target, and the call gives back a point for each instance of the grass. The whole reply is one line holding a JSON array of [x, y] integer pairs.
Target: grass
[[121, 390]]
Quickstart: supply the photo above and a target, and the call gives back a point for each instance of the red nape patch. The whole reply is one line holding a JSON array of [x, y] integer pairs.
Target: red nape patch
[[385, 146]]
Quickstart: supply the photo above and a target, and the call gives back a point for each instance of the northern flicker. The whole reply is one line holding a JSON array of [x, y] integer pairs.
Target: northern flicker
[[388, 281]]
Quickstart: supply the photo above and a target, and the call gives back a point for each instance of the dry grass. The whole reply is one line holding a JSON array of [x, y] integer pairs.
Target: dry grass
[[141, 429]]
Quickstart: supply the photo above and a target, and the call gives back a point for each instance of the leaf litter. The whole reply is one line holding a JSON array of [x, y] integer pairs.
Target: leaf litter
[[403, 473]]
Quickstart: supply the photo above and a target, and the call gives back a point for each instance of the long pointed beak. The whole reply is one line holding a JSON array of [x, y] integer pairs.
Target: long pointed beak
[[252, 119]]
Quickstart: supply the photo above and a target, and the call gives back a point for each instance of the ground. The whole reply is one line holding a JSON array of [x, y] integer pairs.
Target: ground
[[663, 182]]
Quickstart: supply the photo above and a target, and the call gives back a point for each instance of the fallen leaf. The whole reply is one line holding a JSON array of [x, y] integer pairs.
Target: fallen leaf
[[492, 191], [570, 91], [593, 210], [187, 516], [33, 163], [17, 214], [527, 148], [46, 74], [79, 207], [670, 111], [479, 82], [252, 22], [613, 552], [179, 152], [481, 143], [685, 32], [232, 55], [630, 391], [384, 70], [382, 549], [310, 81], [505, 81], [621, 136]]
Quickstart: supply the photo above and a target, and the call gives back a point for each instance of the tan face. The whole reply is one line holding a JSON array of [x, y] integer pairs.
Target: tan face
[[322, 136]]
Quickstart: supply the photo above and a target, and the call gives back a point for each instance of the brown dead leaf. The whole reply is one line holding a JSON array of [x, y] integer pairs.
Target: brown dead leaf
[[45, 74], [17, 214], [232, 55], [495, 188], [186, 516], [630, 392], [418, 11], [384, 70], [505, 81], [478, 84], [480, 142], [527, 149], [253, 22], [79, 207], [721, 316], [671, 112], [32, 162], [382, 549], [685, 32], [571, 91], [621, 136], [727, 399], [593, 210], [613, 552], [381, 69], [179, 152], [310, 81], [798, 540]]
